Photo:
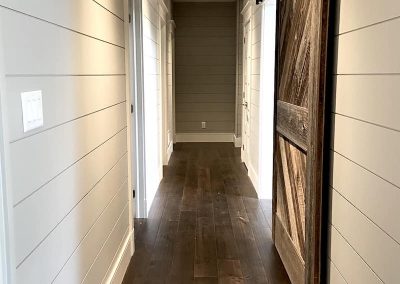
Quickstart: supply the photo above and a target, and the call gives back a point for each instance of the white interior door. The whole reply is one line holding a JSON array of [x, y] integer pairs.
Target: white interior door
[[246, 92], [164, 93]]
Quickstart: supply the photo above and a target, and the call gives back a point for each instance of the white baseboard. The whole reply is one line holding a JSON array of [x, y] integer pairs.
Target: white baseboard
[[253, 177], [124, 255], [169, 151], [238, 141], [204, 137]]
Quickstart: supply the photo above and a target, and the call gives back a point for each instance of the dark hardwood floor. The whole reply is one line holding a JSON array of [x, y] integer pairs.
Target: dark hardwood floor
[[206, 224]]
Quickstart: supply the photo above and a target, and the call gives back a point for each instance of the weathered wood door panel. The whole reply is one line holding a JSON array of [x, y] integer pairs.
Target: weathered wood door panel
[[300, 94]]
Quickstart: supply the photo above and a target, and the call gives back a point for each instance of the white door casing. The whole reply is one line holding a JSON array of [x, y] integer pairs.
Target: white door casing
[[246, 105]]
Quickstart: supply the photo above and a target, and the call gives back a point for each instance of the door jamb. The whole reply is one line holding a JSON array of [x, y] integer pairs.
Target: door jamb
[[138, 111], [246, 21]]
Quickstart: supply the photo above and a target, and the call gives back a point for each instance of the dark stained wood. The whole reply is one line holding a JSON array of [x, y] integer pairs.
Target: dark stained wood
[[292, 122], [229, 271], [301, 68], [222, 237], [206, 248], [322, 28], [288, 252]]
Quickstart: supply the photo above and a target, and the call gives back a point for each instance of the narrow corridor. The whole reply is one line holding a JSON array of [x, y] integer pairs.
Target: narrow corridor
[[206, 224]]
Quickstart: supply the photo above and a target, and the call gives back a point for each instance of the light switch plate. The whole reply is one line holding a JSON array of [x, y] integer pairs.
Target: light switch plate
[[32, 110]]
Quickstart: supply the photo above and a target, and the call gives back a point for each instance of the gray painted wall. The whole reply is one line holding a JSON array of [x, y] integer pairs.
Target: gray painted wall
[[205, 67], [67, 181]]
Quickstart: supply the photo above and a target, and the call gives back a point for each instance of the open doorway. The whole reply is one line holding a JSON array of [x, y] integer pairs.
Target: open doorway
[[257, 98]]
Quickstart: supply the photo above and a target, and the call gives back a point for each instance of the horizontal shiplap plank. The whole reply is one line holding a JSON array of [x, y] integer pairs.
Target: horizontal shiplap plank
[[63, 245], [255, 66], [200, 21], [205, 89], [373, 245], [334, 275], [255, 82], [114, 6], [370, 50], [151, 66], [107, 255], [348, 262], [372, 98], [71, 187], [115, 224], [150, 31], [34, 47], [64, 98], [204, 98], [201, 70], [200, 9], [212, 126], [256, 34], [55, 150], [368, 12], [150, 49], [205, 32], [368, 193], [150, 12], [205, 116], [182, 43], [76, 15], [201, 107], [207, 79], [256, 50], [118, 276], [205, 60], [373, 147]]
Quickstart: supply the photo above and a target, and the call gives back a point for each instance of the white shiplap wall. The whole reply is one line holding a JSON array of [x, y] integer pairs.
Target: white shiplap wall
[[365, 185], [66, 181]]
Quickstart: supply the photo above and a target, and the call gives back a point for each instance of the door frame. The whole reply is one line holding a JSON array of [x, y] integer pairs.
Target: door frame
[[247, 21], [137, 117], [246, 112], [166, 148], [318, 153], [5, 268]]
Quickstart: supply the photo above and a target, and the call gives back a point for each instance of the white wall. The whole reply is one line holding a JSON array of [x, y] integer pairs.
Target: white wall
[[69, 198], [260, 159], [153, 14], [365, 186]]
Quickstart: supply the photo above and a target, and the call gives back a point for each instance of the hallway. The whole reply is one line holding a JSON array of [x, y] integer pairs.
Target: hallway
[[206, 224]]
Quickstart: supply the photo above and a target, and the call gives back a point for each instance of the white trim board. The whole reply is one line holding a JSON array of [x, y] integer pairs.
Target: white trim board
[[238, 141], [121, 264], [205, 137], [253, 178]]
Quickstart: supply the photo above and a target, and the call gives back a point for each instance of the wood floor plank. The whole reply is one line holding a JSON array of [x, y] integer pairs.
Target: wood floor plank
[[206, 224], [161, 259], [230, 271], [182, 269], [226, 245], [206, 248]]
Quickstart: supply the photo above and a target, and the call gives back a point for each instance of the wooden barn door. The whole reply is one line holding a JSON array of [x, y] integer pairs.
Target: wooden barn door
[[300, 94]]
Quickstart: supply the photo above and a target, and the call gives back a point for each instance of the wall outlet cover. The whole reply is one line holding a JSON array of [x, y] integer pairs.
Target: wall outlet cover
[[203, 125], [32, 110]]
